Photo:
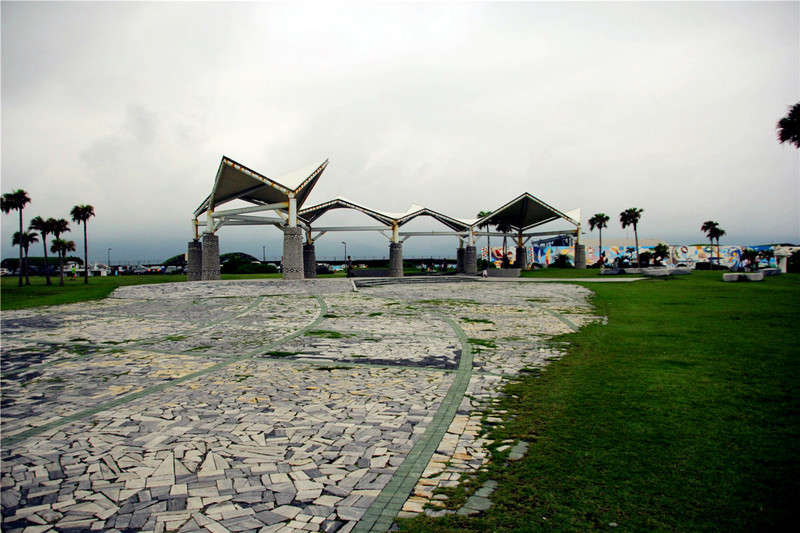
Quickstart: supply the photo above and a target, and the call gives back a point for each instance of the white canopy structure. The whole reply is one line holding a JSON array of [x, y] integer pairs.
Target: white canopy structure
[[286, 195]]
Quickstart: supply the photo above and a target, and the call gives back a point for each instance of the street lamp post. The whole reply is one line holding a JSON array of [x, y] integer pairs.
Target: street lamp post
[[108, 263], [345, 251]]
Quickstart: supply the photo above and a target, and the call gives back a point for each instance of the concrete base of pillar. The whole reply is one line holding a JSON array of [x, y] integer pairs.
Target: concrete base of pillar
[[210, 259], [522, 258], [395, 260], [459, 260], [470, 261], [293, 253], [309, 261], [194, 261], [580, 256]]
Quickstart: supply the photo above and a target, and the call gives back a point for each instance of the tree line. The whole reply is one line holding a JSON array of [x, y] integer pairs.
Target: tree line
[[16, 201]]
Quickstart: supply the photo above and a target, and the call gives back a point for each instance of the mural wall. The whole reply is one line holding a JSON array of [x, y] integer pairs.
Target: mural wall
[[729, 256]]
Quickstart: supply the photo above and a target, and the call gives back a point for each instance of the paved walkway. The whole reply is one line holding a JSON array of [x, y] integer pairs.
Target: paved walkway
[[260, 405]]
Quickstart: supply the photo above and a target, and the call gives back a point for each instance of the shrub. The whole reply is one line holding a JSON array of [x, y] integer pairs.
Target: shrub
[[562, 261], [257, 268]]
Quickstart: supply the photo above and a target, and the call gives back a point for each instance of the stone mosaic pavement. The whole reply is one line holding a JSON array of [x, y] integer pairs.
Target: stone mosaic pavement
[[261, 405]]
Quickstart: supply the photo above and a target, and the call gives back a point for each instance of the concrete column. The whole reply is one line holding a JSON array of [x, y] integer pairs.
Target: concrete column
[[580, 256], [194, 261], [309, 261], [522, 259], [460, 260], [293, 253], [210, 258], [470, 261], [395, 260]]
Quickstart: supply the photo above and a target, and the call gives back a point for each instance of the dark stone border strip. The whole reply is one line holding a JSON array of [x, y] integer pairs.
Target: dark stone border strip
[[383, 511], [559, 316]]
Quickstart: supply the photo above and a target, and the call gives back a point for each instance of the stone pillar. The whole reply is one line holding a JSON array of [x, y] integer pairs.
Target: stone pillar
[[580, 256], [309, 261], [210, 258], [395, 260], [522, 259], [470, 261], [194, 261], [460, 260], [292, 253]]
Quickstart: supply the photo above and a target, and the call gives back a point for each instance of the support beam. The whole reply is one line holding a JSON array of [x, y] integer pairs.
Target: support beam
[[350, 228], [252, 209], [460, 252], [292, 212]]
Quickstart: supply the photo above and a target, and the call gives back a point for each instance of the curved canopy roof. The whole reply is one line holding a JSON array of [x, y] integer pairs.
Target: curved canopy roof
[[237, 182], [524, 212], [311, 214]]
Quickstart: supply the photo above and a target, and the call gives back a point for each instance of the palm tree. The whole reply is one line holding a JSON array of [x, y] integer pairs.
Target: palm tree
[[80, 214], [61, 247], [24, 241], [719, 232], [486, 225], [710, 227], [45, 228], [15, 201], [60, 226], [599, 221], [789, 127], [661, 251], [630, 217]]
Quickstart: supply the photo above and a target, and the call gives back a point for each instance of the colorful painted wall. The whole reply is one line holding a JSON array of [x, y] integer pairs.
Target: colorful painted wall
[[729, 256]]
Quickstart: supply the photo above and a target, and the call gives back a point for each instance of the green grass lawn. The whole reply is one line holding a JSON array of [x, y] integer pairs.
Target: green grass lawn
[[571, 273], [680, 414], [38, 293]]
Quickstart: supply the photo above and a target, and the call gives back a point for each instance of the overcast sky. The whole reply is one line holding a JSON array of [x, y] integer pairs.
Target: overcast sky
[[460, 107]]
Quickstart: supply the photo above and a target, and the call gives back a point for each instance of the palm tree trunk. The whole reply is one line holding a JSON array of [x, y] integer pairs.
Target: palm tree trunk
[[711, 251], [85, 256], [60, 269], [21, 265], [600, 255], [46, 262], [636, 238], [27, 277]]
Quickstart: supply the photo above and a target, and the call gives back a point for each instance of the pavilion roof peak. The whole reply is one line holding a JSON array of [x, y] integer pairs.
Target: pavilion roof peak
[[235, 181]]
